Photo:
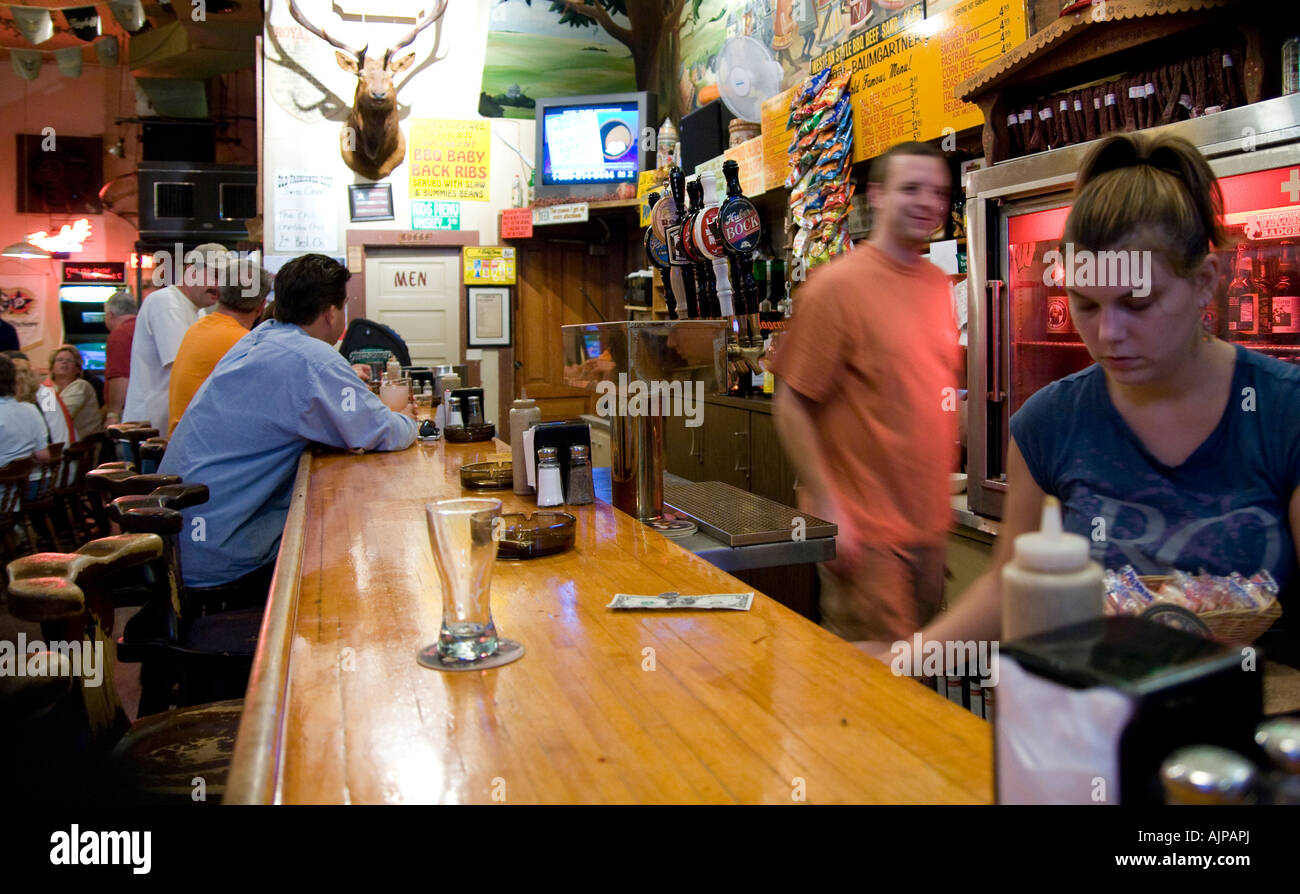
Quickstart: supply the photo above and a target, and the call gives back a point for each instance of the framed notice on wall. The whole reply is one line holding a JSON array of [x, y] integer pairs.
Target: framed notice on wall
[[489, 317]]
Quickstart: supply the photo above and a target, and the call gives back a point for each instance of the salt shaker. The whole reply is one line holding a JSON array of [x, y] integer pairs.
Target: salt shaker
[[580, 489], [550, 492]]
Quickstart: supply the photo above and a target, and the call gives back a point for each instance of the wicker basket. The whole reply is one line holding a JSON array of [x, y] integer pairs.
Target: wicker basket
[[1234, 627]]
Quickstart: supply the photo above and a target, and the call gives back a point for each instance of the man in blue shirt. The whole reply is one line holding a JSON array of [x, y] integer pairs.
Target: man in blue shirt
[[278, 389]]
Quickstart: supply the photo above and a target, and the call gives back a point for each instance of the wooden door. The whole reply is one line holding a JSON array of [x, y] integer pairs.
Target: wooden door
[[772, 475], [726, 446], [416, 291]]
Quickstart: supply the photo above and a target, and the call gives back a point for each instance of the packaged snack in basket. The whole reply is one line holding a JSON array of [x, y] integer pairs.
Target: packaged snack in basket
[[832, 92], [845, 127], [1125, 592], [813, 86], [835, 114], [829, 172], [838, 197]]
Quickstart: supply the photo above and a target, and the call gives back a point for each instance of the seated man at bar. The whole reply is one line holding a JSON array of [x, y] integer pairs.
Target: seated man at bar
[[277, 390]]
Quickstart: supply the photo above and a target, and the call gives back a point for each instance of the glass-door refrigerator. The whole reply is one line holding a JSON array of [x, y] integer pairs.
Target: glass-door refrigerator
[[1021, 336]]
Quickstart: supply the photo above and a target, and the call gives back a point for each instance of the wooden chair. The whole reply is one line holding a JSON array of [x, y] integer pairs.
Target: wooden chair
[[67, 740], [183, 638], [38, 503], [14, 480], [82, 509]]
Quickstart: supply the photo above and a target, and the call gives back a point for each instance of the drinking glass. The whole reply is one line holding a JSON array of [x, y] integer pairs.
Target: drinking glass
[[460, 532], [396, 394]]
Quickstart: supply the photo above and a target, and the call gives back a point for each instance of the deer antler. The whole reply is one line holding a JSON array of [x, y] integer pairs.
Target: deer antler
[[324, 35], [429, 18]]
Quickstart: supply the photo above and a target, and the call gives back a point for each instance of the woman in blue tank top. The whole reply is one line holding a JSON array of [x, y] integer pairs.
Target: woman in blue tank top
[[1174, 450]]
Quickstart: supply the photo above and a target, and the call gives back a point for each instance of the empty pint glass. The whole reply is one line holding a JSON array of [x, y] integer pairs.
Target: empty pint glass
[[464, 549]]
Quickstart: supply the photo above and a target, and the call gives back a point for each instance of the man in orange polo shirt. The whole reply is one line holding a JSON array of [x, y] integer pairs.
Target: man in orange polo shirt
[[866, 408], [207, 341]]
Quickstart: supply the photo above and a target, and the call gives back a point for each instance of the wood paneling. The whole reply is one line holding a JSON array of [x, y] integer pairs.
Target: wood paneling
[[726, 445], [772, 475]]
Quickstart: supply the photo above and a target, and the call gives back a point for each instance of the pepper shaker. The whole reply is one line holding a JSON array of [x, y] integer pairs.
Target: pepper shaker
[[580, 489]]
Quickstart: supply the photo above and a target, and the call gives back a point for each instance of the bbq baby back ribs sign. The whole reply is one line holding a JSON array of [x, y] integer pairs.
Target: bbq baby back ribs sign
[[450, 159]]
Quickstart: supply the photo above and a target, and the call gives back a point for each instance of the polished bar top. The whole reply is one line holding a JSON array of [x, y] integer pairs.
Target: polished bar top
[[605, 706]]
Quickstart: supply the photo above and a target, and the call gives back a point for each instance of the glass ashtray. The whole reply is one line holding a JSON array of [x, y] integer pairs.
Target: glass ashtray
[[487, 476], [539, 534], [467, 434]]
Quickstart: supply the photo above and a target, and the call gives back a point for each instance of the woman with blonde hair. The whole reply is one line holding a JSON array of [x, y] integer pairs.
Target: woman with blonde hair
[[1185, 446], [77, 394]]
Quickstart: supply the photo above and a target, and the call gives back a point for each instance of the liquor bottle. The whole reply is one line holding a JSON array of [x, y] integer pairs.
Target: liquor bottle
[[657, 253], [1243, 300], [673, 237], [706, 287], [1286, 298], [1263, 275]]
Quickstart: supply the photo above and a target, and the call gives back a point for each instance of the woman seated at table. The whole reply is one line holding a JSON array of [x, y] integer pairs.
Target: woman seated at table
[[1186, 448], [77, 394]]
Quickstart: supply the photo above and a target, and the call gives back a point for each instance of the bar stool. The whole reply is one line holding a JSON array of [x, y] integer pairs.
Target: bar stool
[[65, 728], [151, 452], [182, 639], [130, 435]]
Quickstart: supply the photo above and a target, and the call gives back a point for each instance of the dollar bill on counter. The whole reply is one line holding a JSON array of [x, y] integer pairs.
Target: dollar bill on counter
[[735, 601]]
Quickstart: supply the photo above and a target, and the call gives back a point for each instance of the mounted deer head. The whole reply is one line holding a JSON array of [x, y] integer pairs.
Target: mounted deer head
[[371, 142]]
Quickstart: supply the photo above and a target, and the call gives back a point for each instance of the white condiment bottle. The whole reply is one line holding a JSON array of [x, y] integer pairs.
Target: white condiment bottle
[[1050, 582]]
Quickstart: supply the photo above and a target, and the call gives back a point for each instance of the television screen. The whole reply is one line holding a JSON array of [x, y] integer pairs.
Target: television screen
[[590, 144], [93, 355]]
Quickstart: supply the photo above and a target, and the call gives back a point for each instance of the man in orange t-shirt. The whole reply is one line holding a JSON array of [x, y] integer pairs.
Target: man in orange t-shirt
[[208, 340], [867, 405]]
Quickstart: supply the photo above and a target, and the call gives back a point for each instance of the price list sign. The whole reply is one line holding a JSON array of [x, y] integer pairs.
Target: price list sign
[[776, 139], [903, 75]]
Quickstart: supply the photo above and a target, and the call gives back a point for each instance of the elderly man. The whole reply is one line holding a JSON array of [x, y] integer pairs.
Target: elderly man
[[237, 310], [119, 316], [278, 389], [164, 317]]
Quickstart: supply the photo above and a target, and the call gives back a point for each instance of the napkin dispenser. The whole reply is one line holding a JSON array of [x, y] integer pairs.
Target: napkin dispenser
[[459, 399], [1086, 714], [561, 436]]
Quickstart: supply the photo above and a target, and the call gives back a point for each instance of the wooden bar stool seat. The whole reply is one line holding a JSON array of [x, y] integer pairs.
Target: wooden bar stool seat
[[123, 482], [155, 760], [152, 450], [176, 636], [131, 435]]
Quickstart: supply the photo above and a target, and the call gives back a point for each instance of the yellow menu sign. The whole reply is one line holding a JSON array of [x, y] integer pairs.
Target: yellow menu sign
[[489, 265], [902, 85], [449, 159], [776, 138]]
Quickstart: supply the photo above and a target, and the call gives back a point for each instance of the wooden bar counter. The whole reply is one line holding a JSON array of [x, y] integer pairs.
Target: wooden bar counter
[[605, 706]]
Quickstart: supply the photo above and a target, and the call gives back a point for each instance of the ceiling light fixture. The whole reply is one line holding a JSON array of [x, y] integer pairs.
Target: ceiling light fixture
[[26, 250]]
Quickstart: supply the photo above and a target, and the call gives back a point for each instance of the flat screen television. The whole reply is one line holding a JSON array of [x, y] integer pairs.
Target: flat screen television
[[589, 146]]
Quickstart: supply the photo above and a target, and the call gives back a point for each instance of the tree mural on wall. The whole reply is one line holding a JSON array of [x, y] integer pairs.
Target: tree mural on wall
[[651, 36]]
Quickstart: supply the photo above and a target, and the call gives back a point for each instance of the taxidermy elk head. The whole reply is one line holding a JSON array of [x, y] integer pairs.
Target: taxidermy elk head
[[372, 143]]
